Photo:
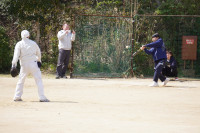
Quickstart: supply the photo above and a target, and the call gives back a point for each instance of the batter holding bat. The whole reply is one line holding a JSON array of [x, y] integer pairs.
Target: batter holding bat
[[28, 52], [158, 51]]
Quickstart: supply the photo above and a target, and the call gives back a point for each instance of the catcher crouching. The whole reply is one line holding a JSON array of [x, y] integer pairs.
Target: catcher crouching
[[28, 52]]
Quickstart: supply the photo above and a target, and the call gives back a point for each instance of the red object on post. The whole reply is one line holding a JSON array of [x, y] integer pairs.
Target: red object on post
[[189, 47]]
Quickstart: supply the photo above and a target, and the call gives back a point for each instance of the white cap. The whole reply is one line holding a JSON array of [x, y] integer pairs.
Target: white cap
[[25, 34]]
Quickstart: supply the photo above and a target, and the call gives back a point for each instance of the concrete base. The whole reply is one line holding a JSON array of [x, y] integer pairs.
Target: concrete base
[[189, 72]]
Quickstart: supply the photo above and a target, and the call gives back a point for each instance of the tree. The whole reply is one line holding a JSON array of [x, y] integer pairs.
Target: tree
[[5, 52]]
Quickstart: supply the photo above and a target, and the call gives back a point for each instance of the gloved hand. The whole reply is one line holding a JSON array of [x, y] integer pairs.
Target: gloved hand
[[13, 71], [39, 64]]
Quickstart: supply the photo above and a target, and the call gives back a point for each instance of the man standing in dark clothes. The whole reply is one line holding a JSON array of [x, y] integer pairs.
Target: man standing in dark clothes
[[170, 69], [65, 38], [158, 51]]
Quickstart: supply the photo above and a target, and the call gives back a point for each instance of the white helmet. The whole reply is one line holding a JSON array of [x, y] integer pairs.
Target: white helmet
[[25, 34]]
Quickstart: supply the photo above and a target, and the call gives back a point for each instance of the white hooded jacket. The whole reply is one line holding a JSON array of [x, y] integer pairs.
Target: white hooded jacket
[[26, 50]]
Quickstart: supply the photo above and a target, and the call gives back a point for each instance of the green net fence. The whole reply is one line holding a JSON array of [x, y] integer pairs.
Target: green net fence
[[171, 29], [103, 44]]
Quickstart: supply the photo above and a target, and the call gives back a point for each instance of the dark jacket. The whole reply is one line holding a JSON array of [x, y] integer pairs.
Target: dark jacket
[[157, 49], [172, 62], [170, 68]]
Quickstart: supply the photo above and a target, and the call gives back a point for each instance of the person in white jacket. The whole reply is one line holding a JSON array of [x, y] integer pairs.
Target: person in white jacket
[[65, 38], [28, 52]]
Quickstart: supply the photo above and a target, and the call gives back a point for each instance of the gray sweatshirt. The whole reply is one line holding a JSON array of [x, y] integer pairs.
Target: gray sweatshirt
[[65, 39]]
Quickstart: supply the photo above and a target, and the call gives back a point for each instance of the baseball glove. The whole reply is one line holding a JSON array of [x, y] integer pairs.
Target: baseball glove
[[39, 64], [14, 72]]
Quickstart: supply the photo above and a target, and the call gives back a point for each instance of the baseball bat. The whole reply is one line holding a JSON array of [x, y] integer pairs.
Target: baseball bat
[[135, 53]]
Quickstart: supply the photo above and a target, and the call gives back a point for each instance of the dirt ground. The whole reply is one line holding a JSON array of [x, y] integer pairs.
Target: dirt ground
[[100, 106]]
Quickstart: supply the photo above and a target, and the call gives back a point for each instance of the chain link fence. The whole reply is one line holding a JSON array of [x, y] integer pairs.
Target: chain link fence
[[103, 45], [171, 29]]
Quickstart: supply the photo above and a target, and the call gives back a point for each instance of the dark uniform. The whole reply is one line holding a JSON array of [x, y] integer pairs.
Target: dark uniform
[[170, 69], [158, 51]]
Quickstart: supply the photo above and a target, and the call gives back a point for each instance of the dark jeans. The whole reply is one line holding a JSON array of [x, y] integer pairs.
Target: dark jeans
[[167, 71], [63, 61], [158, 70]]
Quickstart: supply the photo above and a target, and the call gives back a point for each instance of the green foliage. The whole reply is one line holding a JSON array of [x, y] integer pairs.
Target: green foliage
[[184, 7], [29, 10], [108, 3], [5, 52], [101, 44]]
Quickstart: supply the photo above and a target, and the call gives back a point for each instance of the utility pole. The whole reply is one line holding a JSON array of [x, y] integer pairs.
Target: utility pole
[[133, 34]]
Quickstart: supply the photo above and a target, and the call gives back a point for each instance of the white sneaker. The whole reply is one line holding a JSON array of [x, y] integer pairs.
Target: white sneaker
[[154, 84], [165, 82]]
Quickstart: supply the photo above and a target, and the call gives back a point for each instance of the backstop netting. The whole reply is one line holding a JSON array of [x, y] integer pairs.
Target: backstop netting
[[171, 29], [103, 46]]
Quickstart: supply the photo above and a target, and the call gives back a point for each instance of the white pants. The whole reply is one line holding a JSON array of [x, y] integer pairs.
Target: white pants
[[26, 69]]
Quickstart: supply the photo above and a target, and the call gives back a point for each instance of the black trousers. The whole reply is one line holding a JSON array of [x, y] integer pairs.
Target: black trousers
[[63, 61], [167, 71], [158, 70]]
